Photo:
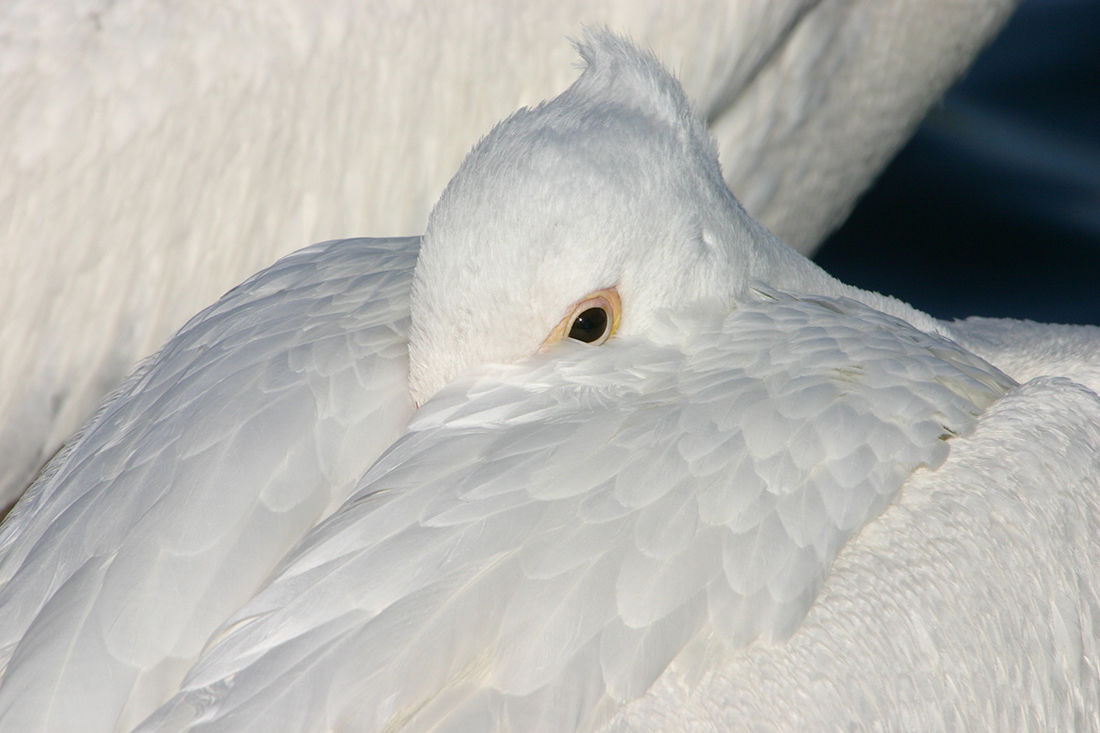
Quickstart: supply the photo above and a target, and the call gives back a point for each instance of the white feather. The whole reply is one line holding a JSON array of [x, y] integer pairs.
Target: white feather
[[156, 154], [746, 496], [209, 464], [556, 585]]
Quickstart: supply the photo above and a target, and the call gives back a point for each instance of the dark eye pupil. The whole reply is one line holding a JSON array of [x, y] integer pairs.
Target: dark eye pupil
[[589, 325]]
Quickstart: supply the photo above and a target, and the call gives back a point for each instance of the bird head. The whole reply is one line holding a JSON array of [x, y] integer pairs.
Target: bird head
[[581, 218]]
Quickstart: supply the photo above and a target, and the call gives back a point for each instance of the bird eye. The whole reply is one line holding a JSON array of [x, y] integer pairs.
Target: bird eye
[[589, 325], [592, 320]]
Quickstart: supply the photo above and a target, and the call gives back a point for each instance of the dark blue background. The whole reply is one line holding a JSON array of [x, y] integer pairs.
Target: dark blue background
[[993, 208]]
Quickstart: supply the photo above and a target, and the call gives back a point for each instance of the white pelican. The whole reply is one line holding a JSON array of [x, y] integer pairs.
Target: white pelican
[[154, 154], [638, 531]]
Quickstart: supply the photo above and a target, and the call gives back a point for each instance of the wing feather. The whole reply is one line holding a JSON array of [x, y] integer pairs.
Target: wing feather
[[549, 536], [207, 467]]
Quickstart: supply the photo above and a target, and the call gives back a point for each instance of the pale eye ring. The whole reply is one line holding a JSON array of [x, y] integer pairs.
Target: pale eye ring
[[592, 320]]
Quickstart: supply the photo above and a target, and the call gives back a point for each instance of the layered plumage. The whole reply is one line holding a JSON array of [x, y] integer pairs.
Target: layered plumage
[[678, 527], [154, 154]]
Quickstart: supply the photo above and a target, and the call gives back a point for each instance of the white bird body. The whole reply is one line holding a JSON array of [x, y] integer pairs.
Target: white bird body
[[970, 604], [564, 536], [312, 381], [155, 154]]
